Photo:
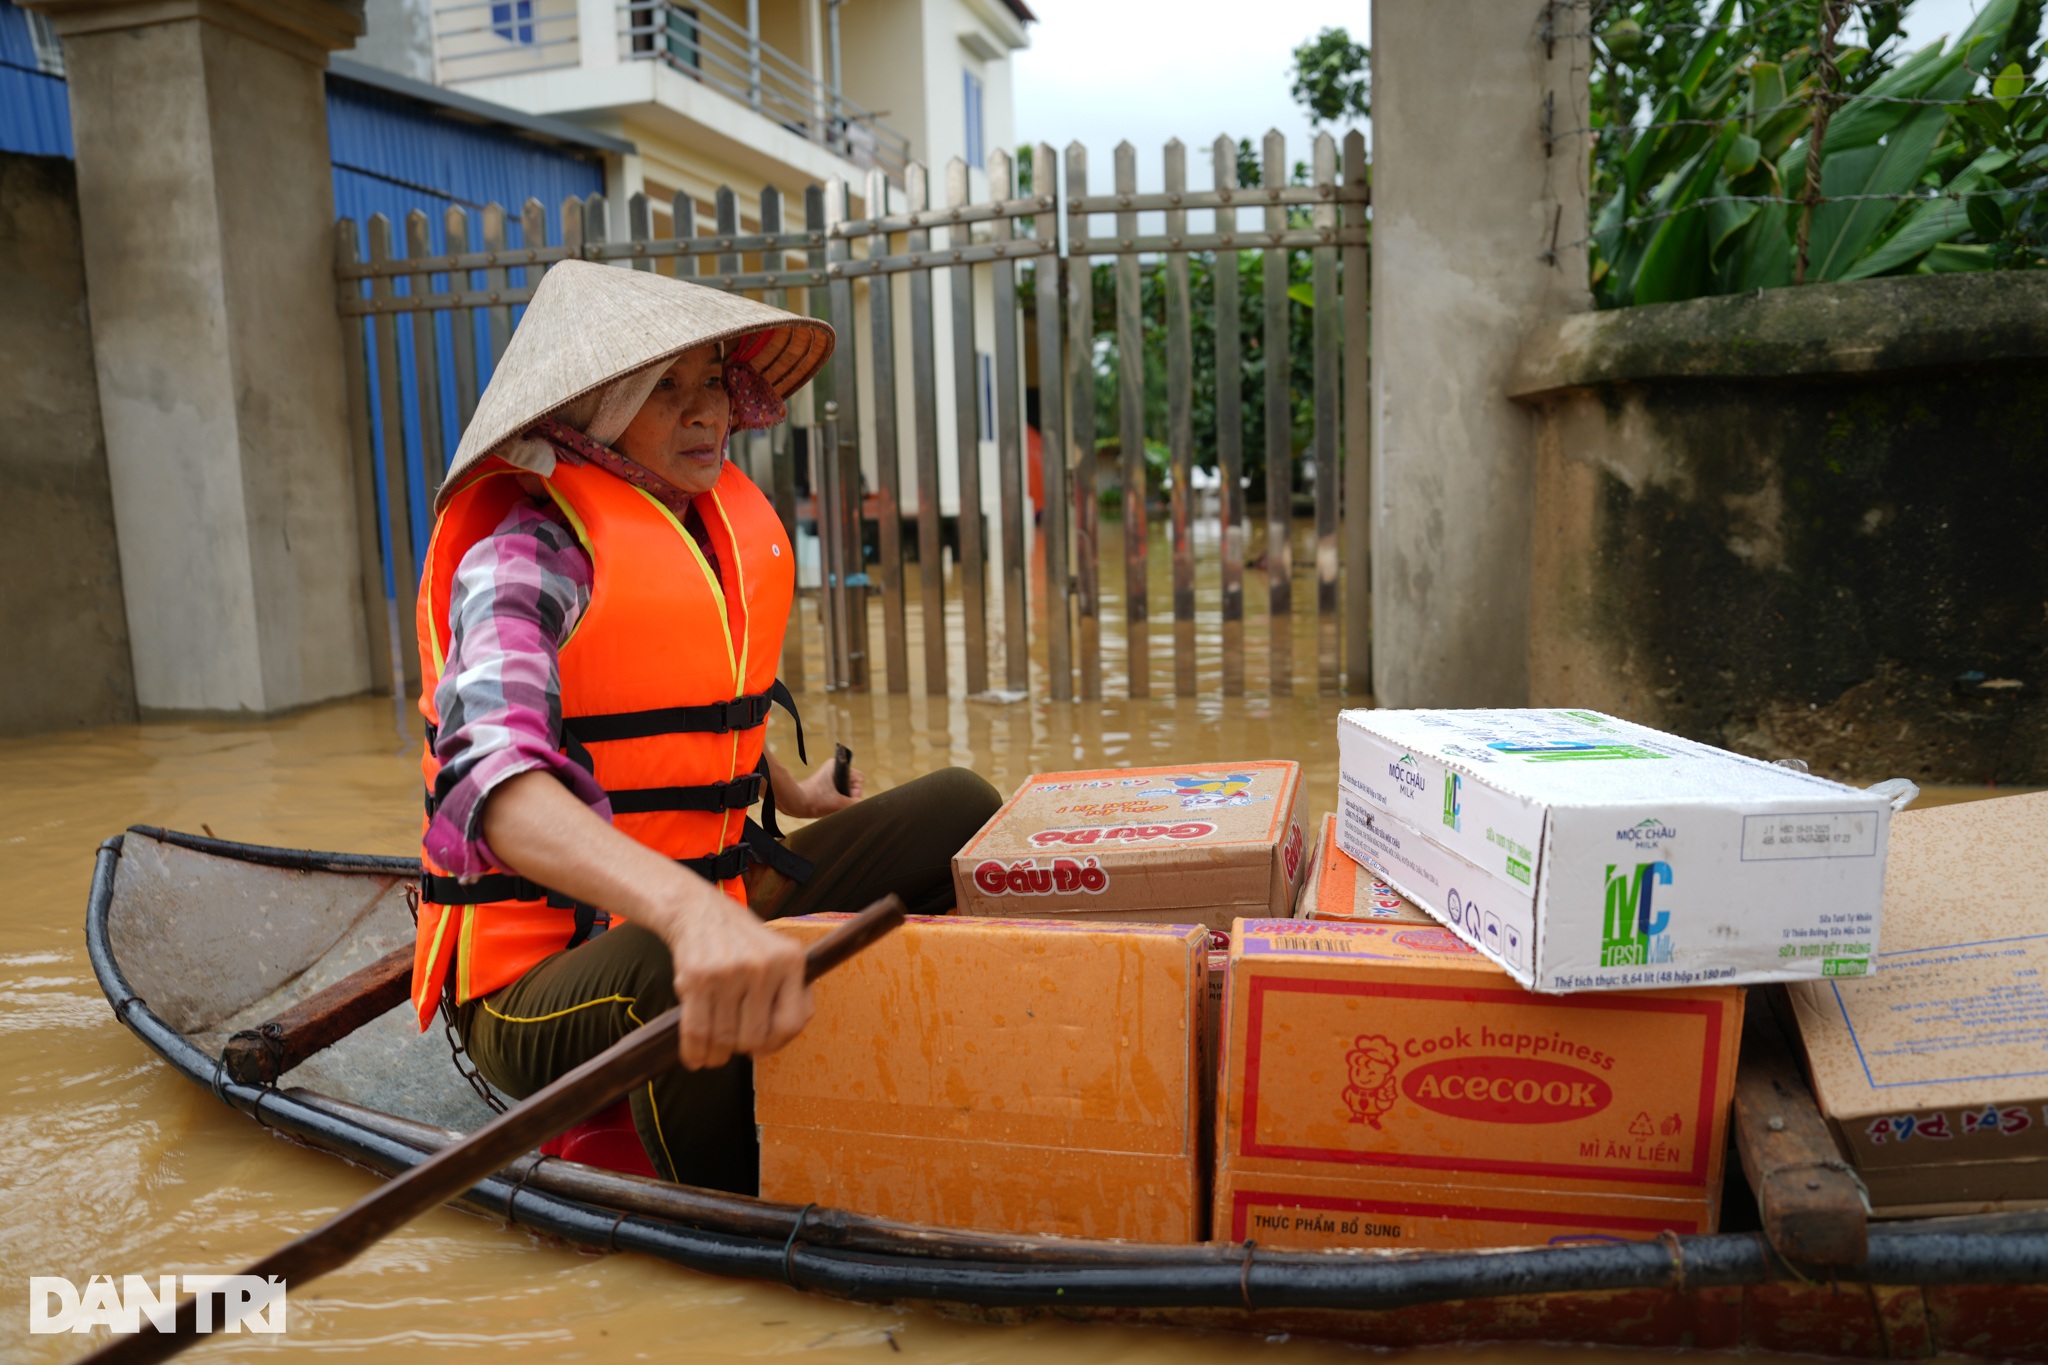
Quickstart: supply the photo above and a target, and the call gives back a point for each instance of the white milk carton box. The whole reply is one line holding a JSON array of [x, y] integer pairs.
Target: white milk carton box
[[1582, 852]]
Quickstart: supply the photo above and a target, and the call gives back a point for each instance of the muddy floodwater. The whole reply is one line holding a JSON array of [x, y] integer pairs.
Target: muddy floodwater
[[110, 1164]]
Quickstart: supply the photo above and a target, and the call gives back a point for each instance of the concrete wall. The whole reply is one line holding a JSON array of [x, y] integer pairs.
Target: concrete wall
[[1812, 524], [66, 661], [207, 209], [876, 41], [1466, 204]]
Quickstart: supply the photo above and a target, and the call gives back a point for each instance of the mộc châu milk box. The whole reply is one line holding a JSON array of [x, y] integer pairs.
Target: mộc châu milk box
[[1583, 852], [1201, 844], [1385, 1085]]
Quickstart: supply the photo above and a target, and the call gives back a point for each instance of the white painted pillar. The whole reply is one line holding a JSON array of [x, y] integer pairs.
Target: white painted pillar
[[597, 33], [207, 215], [1476, 241]]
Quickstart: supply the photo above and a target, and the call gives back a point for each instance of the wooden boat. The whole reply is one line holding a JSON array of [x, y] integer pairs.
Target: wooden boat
[[237, 960]]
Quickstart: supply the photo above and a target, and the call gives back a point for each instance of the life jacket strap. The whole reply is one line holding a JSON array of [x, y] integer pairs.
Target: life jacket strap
[[491, 887], [503, 886], [737, 794], [756, 845], [741, 713], [718, 718], [767, 849]]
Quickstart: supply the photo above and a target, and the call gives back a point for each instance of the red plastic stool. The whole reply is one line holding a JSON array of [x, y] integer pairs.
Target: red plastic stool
[[606, 1139]]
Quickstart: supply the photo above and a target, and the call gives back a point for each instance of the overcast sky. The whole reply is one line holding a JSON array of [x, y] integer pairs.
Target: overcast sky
[[1101, 71]]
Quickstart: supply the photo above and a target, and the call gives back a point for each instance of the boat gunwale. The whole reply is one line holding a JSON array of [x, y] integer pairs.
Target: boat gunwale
[[1239, 1278]]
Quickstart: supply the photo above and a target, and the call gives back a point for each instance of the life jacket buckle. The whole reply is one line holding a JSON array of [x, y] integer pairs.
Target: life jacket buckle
[[743, 791], [743, 713]]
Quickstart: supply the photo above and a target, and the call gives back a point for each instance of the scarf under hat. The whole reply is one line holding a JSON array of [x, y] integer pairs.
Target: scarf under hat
[[590, 426]]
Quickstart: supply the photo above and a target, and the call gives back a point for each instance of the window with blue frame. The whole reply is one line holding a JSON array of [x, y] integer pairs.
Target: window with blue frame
[[513, 21], [972, 90]]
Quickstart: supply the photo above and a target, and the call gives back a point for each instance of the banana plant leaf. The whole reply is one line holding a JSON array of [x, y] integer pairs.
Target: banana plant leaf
[[1843, 232], [1636, 166], [1933, 222], [1686, 219], [1760, 255], [1950, 259], [1676, 264]]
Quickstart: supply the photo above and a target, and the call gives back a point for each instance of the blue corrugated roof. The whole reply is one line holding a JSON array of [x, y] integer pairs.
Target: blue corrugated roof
[[16, 47], [410, 147], [35, 109]]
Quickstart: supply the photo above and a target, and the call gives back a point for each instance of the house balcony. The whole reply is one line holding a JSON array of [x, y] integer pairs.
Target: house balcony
[[697, 60]]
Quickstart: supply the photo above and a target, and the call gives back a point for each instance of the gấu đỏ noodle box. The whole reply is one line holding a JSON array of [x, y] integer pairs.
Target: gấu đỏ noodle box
[[1202, 844]]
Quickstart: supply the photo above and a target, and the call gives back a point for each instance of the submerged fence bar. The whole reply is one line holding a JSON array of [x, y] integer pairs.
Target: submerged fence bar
[[860, 476]]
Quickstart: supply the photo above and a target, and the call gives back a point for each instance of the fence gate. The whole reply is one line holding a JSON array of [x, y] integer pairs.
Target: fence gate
[[989, 293]]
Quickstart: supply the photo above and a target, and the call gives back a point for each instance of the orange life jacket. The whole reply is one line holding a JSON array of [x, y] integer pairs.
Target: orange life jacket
[[666, 683]]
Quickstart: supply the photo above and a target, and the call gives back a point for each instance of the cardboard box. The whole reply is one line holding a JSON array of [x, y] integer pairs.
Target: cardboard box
[[1385, 1085], [1014, 1076], [1298, 1212], [1198, 845], [1339, 888], [1933, 1071], [1607, 856]]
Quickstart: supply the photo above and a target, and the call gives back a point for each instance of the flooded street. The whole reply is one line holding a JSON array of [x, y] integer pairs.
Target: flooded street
[[110, 1164]]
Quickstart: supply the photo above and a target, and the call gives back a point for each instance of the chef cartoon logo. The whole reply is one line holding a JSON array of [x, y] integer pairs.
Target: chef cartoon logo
[[1208, 791], [1372, 1089]]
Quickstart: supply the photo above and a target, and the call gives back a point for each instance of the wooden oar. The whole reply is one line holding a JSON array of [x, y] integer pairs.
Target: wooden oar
[[632, 1061]]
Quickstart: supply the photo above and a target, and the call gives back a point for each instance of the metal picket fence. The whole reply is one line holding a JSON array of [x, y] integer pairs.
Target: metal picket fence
[[865, 452]]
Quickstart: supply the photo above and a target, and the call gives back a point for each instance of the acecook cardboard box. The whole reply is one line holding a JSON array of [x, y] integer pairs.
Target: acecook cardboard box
[[1582, 852], [1385, 1085], [1013, 1076], [1933, 1070], [1196, 845]]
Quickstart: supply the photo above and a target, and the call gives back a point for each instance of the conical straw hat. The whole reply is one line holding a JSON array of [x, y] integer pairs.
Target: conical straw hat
[[591, 324]]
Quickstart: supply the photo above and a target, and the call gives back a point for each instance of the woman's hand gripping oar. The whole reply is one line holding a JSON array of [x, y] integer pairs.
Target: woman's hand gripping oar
[[632, 1061]]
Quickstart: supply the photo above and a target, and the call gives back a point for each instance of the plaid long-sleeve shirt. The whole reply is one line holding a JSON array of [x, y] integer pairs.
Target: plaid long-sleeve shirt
[[518, 594]]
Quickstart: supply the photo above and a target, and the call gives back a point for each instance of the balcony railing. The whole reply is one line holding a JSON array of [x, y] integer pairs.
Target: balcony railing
[[706, 46], [479, 39]]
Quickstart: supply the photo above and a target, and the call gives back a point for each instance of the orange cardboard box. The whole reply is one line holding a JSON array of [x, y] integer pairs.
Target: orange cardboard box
[[1200, 845], [1310, 1213], [1339, 888], [1015, 1076], [1385, 1085]]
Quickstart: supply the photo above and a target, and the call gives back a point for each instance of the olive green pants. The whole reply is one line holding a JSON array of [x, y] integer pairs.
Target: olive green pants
[[698, 1126]]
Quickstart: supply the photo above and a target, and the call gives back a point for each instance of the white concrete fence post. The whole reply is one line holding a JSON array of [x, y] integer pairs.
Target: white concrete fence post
[[1479, 216]]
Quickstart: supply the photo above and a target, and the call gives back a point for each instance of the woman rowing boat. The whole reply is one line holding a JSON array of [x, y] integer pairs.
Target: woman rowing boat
[[601, 613]]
